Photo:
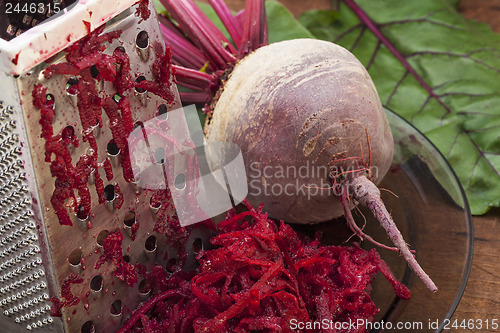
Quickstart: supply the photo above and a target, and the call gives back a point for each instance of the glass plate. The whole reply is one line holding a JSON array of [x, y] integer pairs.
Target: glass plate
[[432, 213]]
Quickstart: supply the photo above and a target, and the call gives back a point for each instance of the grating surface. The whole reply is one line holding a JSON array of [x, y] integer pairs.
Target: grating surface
[[39, 257], [23, 287]]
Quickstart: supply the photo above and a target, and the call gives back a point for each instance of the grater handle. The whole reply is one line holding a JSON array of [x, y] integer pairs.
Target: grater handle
[[45, 40]]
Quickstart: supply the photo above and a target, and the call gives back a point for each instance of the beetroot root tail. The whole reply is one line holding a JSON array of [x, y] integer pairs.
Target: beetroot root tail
[[354, 227], [367, 194]]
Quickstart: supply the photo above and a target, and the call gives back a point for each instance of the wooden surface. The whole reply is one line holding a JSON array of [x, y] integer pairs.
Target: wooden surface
[[481, 300]]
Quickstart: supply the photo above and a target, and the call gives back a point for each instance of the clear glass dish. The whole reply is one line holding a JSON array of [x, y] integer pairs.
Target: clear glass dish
[[431, 211]]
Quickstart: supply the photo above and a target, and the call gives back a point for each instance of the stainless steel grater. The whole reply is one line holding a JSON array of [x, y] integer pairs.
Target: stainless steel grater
[[37, 253]]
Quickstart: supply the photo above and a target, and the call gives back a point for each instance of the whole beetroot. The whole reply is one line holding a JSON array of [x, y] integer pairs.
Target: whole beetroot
[[310, 125], [305, 113], [300, 110]]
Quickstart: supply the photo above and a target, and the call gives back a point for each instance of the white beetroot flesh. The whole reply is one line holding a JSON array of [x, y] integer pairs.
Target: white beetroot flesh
[[308, 104]]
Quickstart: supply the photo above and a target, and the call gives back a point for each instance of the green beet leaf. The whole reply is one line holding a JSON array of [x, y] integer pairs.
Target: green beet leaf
[[438, 70], [430, 65]]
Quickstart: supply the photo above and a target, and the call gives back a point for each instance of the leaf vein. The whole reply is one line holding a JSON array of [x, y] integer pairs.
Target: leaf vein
[[469, 181], [421, 20], [452, 54], [459, 93], [427, 100], [393, 92], [363, 17], [360, 35], [453, 145], [348, 31], [484, 129], [372, 59], [482, 155]]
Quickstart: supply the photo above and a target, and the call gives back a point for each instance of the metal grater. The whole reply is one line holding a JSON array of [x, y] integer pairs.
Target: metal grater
[[37, 253]]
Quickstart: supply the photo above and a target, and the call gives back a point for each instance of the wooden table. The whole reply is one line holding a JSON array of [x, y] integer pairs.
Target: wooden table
[[481, 299]]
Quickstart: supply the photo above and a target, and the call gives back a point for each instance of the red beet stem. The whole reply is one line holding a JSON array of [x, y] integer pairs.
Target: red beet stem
[[230, 22], [194, 97], [367, 194], [254, 27], [198, 45], [203, 33], [184, 52], [194, 79], [240, 17]]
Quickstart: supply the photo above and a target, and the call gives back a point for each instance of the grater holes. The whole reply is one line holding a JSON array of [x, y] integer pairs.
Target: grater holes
[[142, 45], [96, 129], [141, 93], [113, 152], [197, 245], [155, 205], [75, 257], [126, 258], [116, 308], [96, 283], [137, 89], [109, 192], [94, 72], [82, 214], [102, 236], [116, 97], [150, 244], [139, 131], [120, 48], [112, 149], [170, 265], [68, 133], [11, 30], [160, 155], [142, 40], [88, 327], [129, 218], [5, 112], [27, 19], [144, 287], [50, 100], [138, 124], [162, 111], [72, 86], [180, 181]]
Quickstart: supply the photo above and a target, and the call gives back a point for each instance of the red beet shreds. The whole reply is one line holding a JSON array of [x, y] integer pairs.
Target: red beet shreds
[[260, 277], [112, 251]]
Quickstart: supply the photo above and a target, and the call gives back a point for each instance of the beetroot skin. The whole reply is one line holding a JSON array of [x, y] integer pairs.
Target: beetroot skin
[[301, 104]]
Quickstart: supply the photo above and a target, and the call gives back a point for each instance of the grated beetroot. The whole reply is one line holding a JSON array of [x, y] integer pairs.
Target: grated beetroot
[[163, 73], [142, 10], [108, 169], [118, 197], [112, 251], [260, 276], [87, 62], [123, 80], [67, 298], [134, 229], [120, 130], [80, 57]]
